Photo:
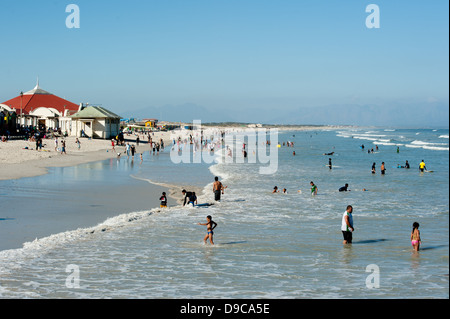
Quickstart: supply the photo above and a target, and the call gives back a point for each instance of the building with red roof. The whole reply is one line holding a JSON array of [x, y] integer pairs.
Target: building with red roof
[[38, 107]]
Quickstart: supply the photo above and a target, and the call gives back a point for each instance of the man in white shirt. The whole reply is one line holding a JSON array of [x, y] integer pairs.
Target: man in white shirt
[[347, 225]]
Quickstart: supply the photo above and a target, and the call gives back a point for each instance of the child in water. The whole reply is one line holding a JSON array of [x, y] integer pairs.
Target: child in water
[[163, 200], [415, 236], [210, 225]]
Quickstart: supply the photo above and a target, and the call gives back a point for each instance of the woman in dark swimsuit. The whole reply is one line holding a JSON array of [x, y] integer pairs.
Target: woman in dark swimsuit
[[210, 225]]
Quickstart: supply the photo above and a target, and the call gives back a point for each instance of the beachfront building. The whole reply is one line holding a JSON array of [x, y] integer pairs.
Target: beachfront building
[[150, 123], [95, 122], [39, 108], [168, 126]]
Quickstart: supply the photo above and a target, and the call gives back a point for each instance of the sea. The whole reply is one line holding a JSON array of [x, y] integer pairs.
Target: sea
[[266, 245]]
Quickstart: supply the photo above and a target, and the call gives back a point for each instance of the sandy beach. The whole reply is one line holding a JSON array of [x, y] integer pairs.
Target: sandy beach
[[19, 158]]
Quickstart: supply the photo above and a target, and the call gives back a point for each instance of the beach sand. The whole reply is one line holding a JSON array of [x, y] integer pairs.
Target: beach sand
[[46, 205], [17, 162]]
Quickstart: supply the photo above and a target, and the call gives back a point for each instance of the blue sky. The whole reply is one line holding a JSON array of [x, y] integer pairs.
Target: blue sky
[[239, 54]]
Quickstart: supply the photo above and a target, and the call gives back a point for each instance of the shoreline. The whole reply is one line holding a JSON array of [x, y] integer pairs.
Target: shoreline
[[49, 208], [17, 162], [26, 227]]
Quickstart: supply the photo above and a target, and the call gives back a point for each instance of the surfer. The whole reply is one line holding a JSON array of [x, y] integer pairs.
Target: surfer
[[187, 196], [344, 188], [406, 164], [210, 225], [422, 166]]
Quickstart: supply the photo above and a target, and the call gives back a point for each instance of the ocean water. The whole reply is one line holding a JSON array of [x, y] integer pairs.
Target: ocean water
[[266, 245]]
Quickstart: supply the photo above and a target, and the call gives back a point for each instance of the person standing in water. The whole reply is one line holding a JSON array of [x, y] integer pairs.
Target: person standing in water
[[329, 163], [415, 236], [383, 168], [210, 225], [217, 188], [373, 168], [347, 225], [422, 166], [163, 200], [313, 188]]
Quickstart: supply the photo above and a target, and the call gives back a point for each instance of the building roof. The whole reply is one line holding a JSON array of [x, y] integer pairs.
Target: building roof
[[91, 112], [37, 98]]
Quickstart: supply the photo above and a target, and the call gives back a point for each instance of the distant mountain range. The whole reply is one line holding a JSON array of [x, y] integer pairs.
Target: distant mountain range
[[432, 114]]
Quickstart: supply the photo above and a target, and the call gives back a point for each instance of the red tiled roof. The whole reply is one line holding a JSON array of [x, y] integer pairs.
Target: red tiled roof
[[30, 102]]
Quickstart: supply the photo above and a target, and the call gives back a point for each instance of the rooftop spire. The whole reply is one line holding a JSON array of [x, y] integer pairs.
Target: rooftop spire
[[36, 90]]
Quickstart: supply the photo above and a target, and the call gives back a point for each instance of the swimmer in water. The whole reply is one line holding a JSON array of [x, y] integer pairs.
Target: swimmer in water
[[210, 225], [275, 190]]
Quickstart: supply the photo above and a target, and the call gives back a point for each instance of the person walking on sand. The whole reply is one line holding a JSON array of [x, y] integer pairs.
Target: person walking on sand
[[415, 236], [347, 225], [77, 141], [112, 144], [63, 147], [56, 144], [217, 188], [210, 225]]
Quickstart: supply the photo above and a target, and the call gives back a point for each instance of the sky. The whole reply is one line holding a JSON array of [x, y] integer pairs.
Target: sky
[[229, 55]]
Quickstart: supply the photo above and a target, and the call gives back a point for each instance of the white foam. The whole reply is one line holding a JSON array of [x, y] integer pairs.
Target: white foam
[[12, 258], [443, 136], [429, 145]]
